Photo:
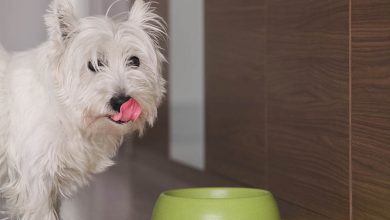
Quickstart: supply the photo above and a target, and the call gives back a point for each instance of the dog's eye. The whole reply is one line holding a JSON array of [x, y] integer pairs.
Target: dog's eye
[[93, 68], [133, 61]]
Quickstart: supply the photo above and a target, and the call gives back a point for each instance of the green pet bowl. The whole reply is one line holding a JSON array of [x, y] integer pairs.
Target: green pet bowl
[[216, 204]]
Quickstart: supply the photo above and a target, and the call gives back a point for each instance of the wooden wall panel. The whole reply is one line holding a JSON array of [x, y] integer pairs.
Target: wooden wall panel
[[371, 109], [157, 138], [234, 89], [307, 75]]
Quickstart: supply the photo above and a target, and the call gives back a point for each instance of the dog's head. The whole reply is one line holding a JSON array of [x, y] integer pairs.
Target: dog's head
[[106, 68]]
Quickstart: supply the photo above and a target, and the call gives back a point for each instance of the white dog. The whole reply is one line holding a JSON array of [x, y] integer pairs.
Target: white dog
[[66, 105]]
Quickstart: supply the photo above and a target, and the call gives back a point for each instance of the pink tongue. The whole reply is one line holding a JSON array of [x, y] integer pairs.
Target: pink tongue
[[129, 111]]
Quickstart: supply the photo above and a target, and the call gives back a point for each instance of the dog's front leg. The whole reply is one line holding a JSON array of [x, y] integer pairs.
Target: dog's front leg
[[32, 198]]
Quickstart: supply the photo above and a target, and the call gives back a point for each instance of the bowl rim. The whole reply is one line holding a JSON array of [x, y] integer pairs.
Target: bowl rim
[[257, 193]]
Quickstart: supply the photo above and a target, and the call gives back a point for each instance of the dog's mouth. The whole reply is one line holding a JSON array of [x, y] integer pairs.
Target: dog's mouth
[[129, 112], [117, 122]]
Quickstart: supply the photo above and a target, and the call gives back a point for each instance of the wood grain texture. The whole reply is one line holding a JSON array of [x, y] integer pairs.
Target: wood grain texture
[[371, 109], [158, 136], [307, 76], [234, 89], [290, 211]]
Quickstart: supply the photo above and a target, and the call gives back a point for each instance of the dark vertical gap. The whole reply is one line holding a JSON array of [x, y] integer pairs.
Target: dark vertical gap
[[205, 97], [350, 111], [266, 147], [168, 126]]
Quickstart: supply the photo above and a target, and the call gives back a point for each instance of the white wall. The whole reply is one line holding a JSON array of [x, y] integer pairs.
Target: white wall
[[22, 25], [186, 82], [96, 7], [99, 7]]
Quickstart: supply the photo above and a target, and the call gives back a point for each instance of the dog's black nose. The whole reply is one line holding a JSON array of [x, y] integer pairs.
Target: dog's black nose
[[117, 101]]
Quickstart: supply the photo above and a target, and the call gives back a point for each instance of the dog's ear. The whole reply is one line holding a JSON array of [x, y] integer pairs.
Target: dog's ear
[[143, 15], [61, 20], [138, 11]]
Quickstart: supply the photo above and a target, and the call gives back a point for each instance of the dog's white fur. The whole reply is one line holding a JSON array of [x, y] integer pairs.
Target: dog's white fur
[[54, 129]]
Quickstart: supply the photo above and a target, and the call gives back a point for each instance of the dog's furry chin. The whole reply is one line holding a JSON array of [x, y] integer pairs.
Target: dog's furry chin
[[55, 126]]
